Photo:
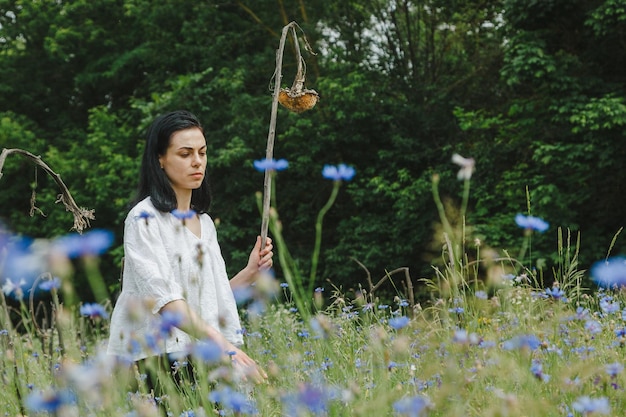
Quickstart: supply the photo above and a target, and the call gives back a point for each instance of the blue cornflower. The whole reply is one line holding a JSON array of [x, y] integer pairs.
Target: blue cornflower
[[23, 262], [183, 214], [528, 341], [49, 401], [93, 310], [609, 306], [284, 285], [319, 289], [145, 215], [368, 307], [169, 320], [613, 369], [508, 277], [231, 400], [610, 273], [556, 293], [587, 405], [308, 398], [266, 164], [207, 351], [531, 223], [593, 326], [582, 313], [338, 173], [462, 337], [457, 310], [243, 294], [480, 294], [399, 322], [403, 303], [51, 284], [92, 243], [537, 370], [412, 406]]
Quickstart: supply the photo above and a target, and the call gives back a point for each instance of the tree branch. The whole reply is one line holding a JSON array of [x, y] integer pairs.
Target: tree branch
[[82, 216]]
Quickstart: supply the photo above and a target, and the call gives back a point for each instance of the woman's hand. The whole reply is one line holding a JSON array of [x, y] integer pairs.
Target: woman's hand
[[261, 258], [246, 366]]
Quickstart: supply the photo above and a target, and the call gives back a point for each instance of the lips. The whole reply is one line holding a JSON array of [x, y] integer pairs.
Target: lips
[[197, 175]]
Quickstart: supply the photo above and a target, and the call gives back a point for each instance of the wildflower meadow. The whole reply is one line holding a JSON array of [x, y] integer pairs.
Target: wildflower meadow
[[489, 339]]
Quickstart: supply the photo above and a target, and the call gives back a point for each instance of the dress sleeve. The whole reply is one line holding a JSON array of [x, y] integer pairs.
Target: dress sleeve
[[149, 272]]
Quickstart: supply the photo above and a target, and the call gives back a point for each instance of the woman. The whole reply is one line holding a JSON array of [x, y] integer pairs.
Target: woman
[[172, 260]]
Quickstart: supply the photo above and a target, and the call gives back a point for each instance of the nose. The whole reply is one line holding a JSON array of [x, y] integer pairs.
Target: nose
[[197, 160]]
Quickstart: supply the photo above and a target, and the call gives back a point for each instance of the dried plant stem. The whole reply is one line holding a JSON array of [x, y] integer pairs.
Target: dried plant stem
[[269, 153], [81, 215]]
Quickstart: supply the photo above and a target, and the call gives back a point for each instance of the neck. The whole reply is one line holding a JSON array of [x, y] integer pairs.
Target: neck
[[183, 200]]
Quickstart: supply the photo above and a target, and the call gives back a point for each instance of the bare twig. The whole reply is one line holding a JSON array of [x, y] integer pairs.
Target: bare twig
[[369, 276], [256, 18], [82, 216], [388, 276], [373, 288]]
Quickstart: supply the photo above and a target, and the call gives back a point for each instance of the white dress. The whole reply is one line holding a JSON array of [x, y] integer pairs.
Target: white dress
[[164, 261]]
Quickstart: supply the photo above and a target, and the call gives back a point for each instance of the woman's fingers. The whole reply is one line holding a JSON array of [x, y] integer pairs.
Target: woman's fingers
[[251, 371]]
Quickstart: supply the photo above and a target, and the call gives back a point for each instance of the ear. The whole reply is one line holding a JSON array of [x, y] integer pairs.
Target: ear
[[161, 161]]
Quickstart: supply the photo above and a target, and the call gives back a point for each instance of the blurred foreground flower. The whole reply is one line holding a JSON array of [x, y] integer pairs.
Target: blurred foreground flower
[[169, 321], [231, 400], [466, 164], [531, 223], [308, 399], [51, 284], [461, 336], [610, 273], [587, 405], [14, 288], [92, 243], [412, 406], [398, 323], [555, 293], [183, 214], [207, 351], [338, 173], [93, 310], [22, 261], [270, 164], [528, 341], [49, 401]]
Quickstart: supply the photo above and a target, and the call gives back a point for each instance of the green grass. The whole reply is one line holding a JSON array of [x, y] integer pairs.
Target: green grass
[[348, 360]]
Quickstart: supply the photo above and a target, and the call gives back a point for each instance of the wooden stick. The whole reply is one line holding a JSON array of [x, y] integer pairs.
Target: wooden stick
[[269, 153]]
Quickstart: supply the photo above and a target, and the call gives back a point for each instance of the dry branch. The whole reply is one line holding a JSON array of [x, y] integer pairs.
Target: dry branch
[[82, 216]]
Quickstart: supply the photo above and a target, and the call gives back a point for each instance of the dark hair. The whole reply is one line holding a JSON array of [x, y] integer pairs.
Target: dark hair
[[153, 181]]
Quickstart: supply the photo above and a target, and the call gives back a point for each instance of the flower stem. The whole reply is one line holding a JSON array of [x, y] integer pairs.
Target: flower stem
[[318, 233]]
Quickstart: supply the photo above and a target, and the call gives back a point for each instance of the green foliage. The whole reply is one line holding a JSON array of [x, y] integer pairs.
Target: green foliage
[[532, 90]]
